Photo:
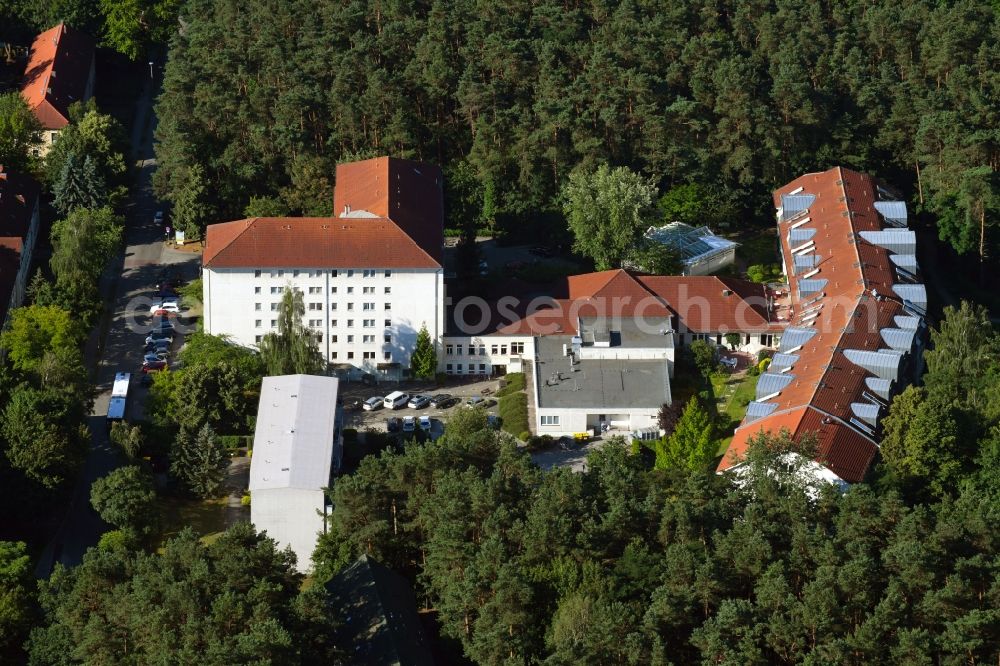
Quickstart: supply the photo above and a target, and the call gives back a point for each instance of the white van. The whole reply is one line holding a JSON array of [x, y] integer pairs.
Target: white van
[[395, 400]]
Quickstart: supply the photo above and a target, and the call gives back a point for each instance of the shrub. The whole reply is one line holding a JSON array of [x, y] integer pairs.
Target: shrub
[[245, 500], [234, 442], [524, 436], [514, 413], [753, 370], [764, 353], [763, 365], [515, 383], [538, 442]]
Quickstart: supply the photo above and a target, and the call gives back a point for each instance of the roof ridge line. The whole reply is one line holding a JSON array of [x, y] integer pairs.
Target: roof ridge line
[[250, 221]]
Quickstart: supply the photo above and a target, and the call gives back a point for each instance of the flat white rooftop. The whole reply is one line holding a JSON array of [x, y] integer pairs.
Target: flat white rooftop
[[293, 442]]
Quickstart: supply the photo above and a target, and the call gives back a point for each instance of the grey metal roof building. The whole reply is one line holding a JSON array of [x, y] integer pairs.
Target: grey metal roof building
[[297, 448], [701, 251]]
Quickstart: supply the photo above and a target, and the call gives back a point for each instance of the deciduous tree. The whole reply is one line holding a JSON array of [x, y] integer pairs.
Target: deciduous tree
[[126, 499], [292, 349]]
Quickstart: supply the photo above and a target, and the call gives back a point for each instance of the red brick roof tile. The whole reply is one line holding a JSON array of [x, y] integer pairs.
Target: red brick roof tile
[[58, 68]]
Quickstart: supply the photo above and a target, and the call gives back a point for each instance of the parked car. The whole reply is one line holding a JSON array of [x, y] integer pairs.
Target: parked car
[[475, 401], [152, 357], [395, 400], [158, 217], [425, 424], [170, 307], [163, 325], [392, 424], [419, 401], [154, 366], [156, 346], [160, 336], [442, 400], [409, 424], [373, 403]]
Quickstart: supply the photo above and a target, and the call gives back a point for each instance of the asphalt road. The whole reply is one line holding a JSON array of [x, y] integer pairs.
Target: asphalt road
[[116, 346]]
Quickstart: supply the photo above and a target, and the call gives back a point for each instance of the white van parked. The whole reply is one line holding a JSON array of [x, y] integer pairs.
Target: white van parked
[[395, 400]]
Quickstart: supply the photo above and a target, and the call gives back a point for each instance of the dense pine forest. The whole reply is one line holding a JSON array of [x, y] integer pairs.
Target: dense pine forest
[[262, 98]]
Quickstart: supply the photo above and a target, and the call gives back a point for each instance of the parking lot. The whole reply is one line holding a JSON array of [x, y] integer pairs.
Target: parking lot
[[459, 388]]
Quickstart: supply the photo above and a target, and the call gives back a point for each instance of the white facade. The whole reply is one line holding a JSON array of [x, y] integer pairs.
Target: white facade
[[750, 343], [364, 317], [297, 448], [484, 354]]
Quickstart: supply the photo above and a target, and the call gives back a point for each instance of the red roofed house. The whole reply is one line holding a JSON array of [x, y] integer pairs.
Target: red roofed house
[[60, 72], [600, 354], [857, 326], [19, 221], [371, 276]]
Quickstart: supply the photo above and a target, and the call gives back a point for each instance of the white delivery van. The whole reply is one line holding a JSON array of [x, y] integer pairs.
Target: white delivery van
[[395, 400]]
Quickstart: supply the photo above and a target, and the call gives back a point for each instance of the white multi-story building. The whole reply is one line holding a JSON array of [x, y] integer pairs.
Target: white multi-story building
[[370, 278]]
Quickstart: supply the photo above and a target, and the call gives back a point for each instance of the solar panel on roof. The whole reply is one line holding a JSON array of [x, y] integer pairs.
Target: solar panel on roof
[[780, 361], [793, 204], [899, 338], [811, 286], [795, 336], [800, 235], [884, 363], [879, 386], [894, 212], [865, 411], [772, 382], [758, 410], [898, 241], [904, 321], [914, 293]]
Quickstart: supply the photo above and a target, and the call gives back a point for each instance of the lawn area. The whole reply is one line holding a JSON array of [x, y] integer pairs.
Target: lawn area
[[207, 518], [732, 395], [758, 246]]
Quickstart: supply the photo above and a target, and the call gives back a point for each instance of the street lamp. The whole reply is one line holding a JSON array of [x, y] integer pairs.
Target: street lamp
[[150, 69]]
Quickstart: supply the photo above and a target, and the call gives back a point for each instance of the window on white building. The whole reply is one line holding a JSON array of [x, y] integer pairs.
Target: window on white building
[[350, 323], [274, 307], [333, 290], [493, 349], [458, 368], [458, 349], [482, 368], [350, 272], [333, 306], [319, 338], [315, 323], [256, 273], [517, 348], [482, 350], [256, 323], [549, 420], [350, 306], [315, 290], [368, 323], [368, 290], [256, 290], [350, 290], [295, 273], [333, 356], [388, 306], [274, 323], [387, 339], [350, 355], [503, 350], [388, 290], [767, 340], [387, 356], [388, 323], [369, 272], [333, 339], [259, 338], [368, 339], [333, 272], [369, 306], [388, 273], [256, 307], [277, 290], [449, 350], [333, 322], [350, 339], [316, 306], [448, 369]]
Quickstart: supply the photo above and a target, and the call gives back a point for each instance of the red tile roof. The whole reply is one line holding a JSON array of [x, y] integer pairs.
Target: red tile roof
[[312, 242], [712, 304], [841, 448], [56, 76], [825, 383], [18, 195], [388, 214], [408, 193]]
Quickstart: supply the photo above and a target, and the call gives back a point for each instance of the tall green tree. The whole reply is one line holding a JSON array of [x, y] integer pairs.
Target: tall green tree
[[608, 210], [80, 185], [292, 349], [126, 499], [423, 360], [45, 435], [20, 132], [36, 330], [236, 599], [692, 445], [192, 205], [18, 606], [198, 461]]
